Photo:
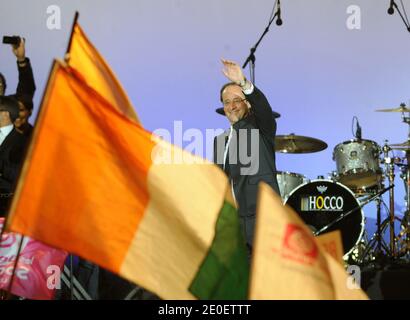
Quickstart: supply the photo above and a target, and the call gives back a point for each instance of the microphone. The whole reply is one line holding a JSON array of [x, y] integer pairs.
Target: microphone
[[279, 20], [391, 9], [358, 134]]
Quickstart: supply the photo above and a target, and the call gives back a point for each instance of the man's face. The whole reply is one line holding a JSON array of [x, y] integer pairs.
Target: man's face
[[4, 117], [235, 105], [24, 114]]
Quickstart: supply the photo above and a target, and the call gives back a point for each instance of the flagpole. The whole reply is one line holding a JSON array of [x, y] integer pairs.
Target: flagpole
[[3, 227], [28, 151], [3, 293], [71, 278], [76, 16], [17, 187], [10, 286], [44, 98]]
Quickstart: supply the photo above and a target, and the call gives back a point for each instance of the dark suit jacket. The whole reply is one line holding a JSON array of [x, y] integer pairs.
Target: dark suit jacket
[[253, 136], [26, 85], [25, 90], [12, 152]]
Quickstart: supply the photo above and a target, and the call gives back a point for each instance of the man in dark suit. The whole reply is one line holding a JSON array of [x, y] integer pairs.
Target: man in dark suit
[[25, 110], [12, 150], [25, 89], [246, 151], [3, 85]]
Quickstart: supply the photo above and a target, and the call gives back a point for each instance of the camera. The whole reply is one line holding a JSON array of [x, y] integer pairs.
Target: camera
[[15, 41]]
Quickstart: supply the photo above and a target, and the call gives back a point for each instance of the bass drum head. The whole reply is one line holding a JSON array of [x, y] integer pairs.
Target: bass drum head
[[321, 202]]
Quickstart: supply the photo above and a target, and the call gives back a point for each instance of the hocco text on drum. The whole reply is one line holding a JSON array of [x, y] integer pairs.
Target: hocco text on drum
[[321, 202]]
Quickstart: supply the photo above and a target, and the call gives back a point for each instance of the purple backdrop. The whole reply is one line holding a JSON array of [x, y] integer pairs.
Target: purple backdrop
[[315, 71]]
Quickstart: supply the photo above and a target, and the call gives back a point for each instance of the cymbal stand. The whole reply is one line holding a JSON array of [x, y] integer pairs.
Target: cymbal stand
[[390, 175], [376, 249], [405, 233], [406, 218], [407, 173], [344, 215]]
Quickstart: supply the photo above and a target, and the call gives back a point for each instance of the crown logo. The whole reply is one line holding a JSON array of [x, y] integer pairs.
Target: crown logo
[[321, 189]]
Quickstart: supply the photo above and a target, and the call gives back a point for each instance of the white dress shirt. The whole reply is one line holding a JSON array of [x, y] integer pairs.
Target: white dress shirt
[[246, 92], [4, 132]]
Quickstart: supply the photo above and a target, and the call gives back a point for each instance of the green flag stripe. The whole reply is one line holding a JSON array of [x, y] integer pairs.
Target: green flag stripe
[[224, 273]]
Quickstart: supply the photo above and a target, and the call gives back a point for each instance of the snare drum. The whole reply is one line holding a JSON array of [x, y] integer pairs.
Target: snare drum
[[357, 164], [288, 181], [321, 202]]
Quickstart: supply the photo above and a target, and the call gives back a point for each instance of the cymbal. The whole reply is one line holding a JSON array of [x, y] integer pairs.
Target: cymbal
[[402, 108], [298, 144], [401, 146], [404, 144]]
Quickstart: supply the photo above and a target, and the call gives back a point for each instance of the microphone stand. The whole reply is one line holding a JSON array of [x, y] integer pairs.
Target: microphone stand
[[324, 228], [251, 58], [401, 15]]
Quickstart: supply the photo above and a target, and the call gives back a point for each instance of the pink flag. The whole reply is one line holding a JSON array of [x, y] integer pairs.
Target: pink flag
[[37, 274]]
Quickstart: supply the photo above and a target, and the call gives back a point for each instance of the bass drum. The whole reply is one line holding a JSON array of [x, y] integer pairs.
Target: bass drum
[[321, 202]]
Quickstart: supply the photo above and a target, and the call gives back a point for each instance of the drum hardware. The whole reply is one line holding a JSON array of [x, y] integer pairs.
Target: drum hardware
[[377, 249], [363, 168], [345, 214], [389, 164], [401, 146], [403, 238], [401, 109], [405, 233], [382, 251], [398, 245], [406, 179], [298, 144], [333, 176], [360, 254], [403, 242], [322, 205], [288, 181]]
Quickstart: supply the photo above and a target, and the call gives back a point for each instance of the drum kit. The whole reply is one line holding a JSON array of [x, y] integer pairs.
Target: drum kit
[[364, 172]]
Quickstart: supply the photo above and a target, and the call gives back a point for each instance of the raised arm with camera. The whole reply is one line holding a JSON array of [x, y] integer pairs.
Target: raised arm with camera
[[26, 86]]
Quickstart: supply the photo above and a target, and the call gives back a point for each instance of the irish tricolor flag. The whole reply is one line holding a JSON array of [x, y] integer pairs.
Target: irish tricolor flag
[[98, 185]]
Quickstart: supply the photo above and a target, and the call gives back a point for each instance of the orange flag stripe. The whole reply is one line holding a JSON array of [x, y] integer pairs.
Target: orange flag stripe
[[86, 59], [97, 177], [98, 185]]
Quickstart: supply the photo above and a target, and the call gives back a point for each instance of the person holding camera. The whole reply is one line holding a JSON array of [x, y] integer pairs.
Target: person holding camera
[[12, 149], [26, 85]]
